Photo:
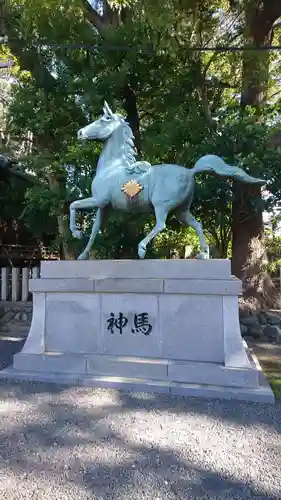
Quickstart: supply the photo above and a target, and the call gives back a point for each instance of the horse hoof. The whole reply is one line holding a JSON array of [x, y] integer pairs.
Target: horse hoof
[[83, 256], [141, 252], [77, 234]]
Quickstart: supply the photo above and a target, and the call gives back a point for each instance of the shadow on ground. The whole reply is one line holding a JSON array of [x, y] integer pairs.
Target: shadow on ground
[[77, 443], [8, 348], [80, 443]]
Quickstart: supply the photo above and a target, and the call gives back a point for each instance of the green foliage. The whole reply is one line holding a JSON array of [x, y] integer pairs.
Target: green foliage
[[175, 242], [186, 104], [12, 196], [40, 205], [273, 253], [275, 382]]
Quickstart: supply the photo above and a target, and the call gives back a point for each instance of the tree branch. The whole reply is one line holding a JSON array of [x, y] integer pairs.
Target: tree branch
[[215, 55], [212, 124], [130, 106], [215, 83], [111, 17], [27, 55], [263, 19], [273, 95], [94, 18], [29, 60], [271, 10], [276, 25]]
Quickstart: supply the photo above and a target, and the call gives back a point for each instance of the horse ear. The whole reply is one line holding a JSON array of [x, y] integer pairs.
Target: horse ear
[[107, 109]]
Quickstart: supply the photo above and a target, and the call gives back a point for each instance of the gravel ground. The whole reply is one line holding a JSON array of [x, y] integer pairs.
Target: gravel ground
[[76, 444]]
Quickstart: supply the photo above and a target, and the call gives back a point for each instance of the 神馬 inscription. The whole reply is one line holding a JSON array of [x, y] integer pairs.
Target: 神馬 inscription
[[120, 321]]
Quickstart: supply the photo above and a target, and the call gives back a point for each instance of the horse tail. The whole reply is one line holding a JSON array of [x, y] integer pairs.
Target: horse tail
[[214, 164]]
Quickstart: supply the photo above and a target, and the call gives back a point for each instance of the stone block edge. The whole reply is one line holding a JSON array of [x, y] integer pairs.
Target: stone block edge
[[261, 395]]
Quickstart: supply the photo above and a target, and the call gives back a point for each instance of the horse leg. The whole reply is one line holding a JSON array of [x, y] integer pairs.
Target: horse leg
[[188, 219], [95, 229], [161, 216], [85, 203]]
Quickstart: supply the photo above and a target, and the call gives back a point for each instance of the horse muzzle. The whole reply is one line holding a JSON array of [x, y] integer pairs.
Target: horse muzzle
[[81, 135]]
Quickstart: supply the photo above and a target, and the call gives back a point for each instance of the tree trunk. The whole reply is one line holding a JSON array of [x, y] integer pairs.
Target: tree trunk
[[111, 19], [67, 250], [247, 229], [130, 106], [247, 225]]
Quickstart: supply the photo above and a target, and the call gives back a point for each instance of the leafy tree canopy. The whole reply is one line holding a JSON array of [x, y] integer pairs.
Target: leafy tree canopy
[[180, 103]]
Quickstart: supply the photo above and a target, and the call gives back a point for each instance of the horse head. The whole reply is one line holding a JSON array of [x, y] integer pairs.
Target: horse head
[[102, 128]]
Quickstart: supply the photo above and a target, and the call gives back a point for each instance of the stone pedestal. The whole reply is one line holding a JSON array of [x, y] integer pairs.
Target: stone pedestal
[[155, 325]]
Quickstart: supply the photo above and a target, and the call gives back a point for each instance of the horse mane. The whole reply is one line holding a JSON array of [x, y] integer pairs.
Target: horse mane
[[129, 150], [129, 146]]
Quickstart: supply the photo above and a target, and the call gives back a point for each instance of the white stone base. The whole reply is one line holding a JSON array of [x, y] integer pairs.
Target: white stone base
[[43, 370], [191, 345], [138, 368]]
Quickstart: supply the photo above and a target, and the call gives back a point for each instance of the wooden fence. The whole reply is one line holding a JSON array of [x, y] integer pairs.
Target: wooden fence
[[14, 283]]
